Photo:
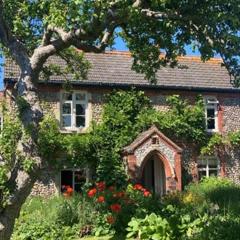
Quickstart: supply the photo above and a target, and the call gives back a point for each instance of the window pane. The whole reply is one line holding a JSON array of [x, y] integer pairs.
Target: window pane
[[213, 173], [67, 96], [66, 108], [78, 188], [80, 109], [80, 96], [66, 121], [213, 166], [79, 180], [80, 121], [210, 113], [211, 123], [202, 174], [79, 177], [66, 179], [213, 161]]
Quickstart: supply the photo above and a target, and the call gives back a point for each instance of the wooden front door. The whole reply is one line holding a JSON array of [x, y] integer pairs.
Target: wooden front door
[[153, 176]]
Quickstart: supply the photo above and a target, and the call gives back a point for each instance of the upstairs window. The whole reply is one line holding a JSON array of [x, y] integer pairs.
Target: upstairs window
[[74, 110], [208, 166], [211, 112]]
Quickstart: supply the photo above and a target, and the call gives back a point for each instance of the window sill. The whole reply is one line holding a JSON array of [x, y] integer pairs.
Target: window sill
[[73, 130], [212, 131]]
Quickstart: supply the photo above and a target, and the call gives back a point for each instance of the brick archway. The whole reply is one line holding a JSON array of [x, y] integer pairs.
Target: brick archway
[[154, 142]]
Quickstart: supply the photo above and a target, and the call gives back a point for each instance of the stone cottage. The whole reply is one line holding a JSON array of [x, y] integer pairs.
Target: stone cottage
[[152, 158]]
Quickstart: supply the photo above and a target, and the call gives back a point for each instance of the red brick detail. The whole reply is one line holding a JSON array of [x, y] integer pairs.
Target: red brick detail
[[220, 118], [169, 172], [222, 167], [178, 171], [132, 166]]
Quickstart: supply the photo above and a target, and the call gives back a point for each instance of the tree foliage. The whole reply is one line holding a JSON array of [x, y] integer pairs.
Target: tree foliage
[[166, 27]]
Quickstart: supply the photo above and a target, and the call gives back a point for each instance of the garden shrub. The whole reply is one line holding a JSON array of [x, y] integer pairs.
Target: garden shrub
[[220, 191], [219, 226], [51, 219], [199, 213], [152, 227], [116, 206]]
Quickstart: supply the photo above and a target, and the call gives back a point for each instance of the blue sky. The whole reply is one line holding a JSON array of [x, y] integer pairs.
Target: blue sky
[[120, 45]]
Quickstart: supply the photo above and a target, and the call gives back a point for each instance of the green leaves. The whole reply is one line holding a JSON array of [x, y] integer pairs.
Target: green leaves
[[118, 128], [151, 227], [211, 26], [50, 141]]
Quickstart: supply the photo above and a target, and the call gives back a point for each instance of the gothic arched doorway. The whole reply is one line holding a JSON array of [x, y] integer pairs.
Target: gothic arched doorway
[[153, 174]]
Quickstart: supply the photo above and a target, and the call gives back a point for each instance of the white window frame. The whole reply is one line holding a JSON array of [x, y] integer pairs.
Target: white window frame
[[207, 168], [211, 103], [73, 103], [73, 177]]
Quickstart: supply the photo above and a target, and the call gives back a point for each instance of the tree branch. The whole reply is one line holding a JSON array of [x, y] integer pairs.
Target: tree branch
[[77, 38]]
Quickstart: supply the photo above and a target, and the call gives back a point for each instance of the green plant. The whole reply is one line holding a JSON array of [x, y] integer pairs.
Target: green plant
[[42, 219], [152, 227], [224, 227], [220, 191], [50, 140]]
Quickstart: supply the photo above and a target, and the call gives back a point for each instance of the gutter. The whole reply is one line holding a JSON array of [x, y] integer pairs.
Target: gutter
[[12, 81]]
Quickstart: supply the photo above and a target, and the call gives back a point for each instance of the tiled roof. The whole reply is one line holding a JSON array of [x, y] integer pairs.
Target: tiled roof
[[114, 68]]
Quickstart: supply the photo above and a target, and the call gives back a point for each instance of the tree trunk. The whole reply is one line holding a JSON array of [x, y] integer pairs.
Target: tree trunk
[[11, 212], [32, 114]]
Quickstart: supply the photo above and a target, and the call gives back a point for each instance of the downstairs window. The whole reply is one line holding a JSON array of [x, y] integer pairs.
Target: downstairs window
[[74, 179], [208, 166]]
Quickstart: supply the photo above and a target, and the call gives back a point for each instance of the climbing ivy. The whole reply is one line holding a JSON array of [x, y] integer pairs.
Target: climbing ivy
[[119, 127], [50, 140], [221, 142], [127, 113]]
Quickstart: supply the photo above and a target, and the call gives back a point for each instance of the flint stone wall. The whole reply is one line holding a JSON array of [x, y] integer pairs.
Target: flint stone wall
[[231, 114], [232, 165], [47, 185]]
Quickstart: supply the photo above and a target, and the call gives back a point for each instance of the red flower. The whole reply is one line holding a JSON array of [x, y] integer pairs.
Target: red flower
[[138, 187], [116, 207], [119, 194], [111, 219], [69, 190], [146, 193], [111, 188], [101, 199], [101, 186], [92, 192]]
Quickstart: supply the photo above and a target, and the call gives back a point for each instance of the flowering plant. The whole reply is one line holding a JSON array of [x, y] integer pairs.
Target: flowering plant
[[67, 190], [116, 206]]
